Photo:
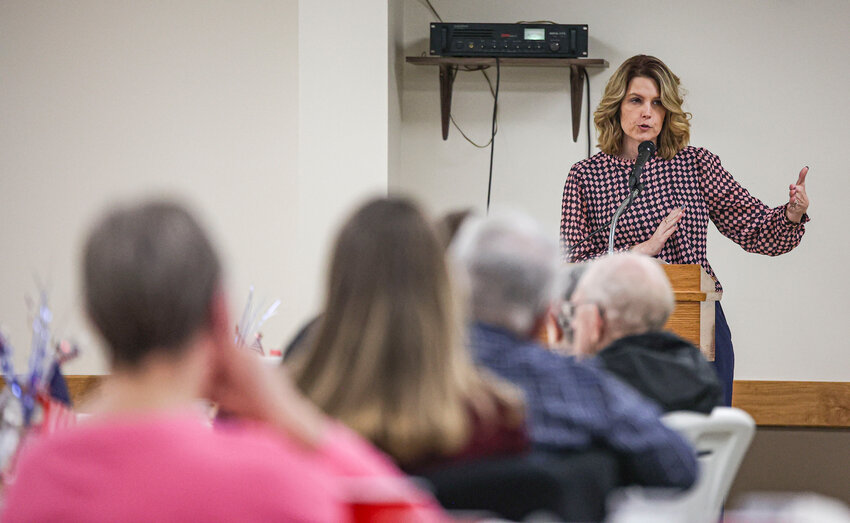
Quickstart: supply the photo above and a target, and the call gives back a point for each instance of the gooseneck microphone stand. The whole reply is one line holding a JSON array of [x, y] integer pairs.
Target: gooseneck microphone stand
[[645, 150], [620, 210]]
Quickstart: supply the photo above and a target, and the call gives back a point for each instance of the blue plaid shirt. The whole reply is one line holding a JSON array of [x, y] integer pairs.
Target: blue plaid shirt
[[572, 406]]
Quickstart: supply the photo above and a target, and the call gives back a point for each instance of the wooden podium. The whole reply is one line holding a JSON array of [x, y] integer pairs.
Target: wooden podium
[[693, 316]]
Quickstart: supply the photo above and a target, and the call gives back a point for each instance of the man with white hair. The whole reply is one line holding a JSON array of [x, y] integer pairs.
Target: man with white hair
[[618, 311], [512, 268]]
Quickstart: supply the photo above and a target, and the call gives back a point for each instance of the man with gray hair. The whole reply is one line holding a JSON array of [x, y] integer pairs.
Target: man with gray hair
[[618, 312], [512, 267]]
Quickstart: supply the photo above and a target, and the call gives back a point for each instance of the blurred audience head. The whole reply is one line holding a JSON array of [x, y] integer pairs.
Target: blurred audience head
[[150, 276], [512, 267], [619, 295], [387, 358]]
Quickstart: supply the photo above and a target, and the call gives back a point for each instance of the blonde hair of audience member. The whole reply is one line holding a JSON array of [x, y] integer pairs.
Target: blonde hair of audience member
[[387, 358], [675, 132], [512, 270], [619, 295]]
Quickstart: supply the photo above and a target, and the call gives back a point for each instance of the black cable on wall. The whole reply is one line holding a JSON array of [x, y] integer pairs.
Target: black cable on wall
[[493, 133]]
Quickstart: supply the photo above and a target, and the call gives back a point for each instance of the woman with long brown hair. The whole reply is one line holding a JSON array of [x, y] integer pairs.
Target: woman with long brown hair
[[684, 188], [387, 356]]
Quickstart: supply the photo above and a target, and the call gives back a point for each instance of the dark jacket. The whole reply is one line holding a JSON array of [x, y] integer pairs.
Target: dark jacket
[[664, 368]]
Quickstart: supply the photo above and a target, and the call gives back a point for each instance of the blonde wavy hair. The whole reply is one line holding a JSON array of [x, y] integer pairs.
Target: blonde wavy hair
[[676, 130], [388, 356]]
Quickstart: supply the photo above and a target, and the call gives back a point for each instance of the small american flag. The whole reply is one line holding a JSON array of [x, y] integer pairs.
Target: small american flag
[[56, 416]]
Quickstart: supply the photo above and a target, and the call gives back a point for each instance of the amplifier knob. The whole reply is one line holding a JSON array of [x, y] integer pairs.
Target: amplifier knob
[[554, 46]]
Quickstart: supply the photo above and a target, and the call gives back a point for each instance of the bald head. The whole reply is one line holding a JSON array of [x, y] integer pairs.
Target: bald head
[[632, 296]]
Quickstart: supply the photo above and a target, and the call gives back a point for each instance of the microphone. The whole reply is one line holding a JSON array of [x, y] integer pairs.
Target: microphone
[[645, 150]]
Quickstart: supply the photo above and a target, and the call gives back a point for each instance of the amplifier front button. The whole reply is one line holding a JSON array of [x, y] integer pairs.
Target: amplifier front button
[[554, 46]]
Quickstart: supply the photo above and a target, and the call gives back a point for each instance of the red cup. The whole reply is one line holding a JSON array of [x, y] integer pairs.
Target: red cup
[[388, 499]]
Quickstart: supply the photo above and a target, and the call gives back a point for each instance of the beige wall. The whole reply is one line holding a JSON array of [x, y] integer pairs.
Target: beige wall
[[104, 101], [271, 137], [395, 77], [764, 83], [343, 133]]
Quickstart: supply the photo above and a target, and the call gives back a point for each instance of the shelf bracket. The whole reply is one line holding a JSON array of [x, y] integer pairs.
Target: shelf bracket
[[577, 73], [447, 80], [449, 67]]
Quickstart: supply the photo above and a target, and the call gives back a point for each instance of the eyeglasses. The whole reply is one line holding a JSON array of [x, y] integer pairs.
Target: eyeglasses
[[568, 309], [568, 313], [566, 317]]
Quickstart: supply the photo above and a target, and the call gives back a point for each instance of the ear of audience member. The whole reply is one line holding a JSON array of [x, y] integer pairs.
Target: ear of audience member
[[512, 266], [621, 306], [152, 285], [387, 356]]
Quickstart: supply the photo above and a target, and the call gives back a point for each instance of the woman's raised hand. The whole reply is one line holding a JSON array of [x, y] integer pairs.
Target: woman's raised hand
[[665, 229], [248, 388], [798, 200]]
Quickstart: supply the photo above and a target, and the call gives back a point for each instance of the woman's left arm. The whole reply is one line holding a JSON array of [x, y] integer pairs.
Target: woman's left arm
[[745, 219]]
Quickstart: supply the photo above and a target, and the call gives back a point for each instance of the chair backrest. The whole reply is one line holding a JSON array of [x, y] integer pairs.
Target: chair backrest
[[721, 440], [544, 485]]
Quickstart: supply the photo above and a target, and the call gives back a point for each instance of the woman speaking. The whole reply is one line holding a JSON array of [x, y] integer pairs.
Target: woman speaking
[[684, 188]]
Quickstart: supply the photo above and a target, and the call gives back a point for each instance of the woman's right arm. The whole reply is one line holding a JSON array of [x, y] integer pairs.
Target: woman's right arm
[[575, 226]]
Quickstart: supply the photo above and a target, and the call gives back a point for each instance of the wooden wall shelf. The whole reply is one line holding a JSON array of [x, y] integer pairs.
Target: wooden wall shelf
[[449, 66], [812, 404]]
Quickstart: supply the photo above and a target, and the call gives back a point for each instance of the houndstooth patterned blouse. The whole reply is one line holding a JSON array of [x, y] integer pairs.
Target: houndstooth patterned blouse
[[694, 179]]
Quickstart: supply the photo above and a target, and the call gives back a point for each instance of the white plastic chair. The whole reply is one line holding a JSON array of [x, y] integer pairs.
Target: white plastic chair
[[721, 441]]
